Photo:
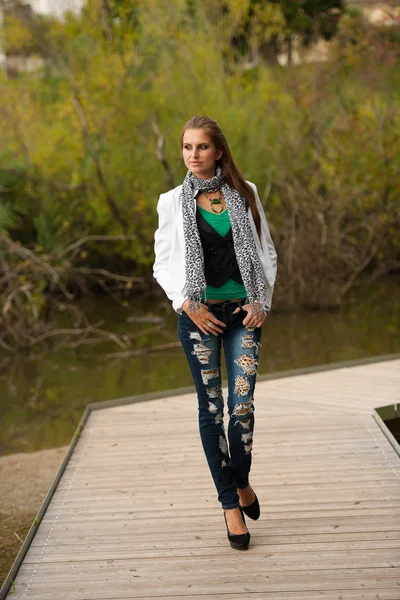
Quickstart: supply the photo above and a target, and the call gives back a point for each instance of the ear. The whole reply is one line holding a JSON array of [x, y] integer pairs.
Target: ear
[[219, 154]]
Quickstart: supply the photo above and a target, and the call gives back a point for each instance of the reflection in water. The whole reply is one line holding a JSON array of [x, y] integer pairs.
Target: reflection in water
[[42, 400]]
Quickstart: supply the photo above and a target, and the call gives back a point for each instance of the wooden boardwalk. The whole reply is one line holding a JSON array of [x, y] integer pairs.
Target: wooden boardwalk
[[135, 514]]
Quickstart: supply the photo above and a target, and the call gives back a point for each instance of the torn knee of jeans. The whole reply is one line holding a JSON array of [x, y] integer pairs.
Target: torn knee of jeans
[[212, 408], [247, 437], [215, 392], [248, 448], [242, 385], [243, 412], [207, 374], [202, 352], [248, 363]]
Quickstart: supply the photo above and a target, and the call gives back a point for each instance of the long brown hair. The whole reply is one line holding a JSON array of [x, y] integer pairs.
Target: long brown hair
[[229, 168]]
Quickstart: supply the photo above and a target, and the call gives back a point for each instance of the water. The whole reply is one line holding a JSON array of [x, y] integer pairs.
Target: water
[[42, 399], [390, 415]]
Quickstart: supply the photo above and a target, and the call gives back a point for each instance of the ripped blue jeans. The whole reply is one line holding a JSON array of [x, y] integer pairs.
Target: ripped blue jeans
[[229, 465]]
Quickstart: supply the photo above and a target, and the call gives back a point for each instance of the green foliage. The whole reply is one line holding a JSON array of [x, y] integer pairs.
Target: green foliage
[[7, 218], [50, 228], [14, 205]]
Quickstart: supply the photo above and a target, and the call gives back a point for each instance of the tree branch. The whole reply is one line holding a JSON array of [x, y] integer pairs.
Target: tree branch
[[95, 238]]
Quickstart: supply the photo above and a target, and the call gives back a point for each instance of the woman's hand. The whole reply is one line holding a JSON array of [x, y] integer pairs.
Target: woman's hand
[[252, 319], [204, 319]]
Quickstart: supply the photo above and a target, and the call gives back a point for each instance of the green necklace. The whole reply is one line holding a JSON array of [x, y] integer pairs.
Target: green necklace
[[215, 202]]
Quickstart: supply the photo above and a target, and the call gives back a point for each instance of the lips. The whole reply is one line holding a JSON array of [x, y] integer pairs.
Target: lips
[[195, 163]]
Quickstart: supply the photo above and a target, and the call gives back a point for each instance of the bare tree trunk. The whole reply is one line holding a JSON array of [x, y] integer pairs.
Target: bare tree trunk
[[316, 28], [161, 156], [104, 16], [99, 171], [289, 51]]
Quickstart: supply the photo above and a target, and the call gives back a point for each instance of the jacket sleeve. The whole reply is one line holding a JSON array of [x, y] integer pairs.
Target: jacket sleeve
[[266, 249], [162, 249]]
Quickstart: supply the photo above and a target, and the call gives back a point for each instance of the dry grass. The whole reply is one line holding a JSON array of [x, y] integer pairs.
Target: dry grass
[[24, 481]]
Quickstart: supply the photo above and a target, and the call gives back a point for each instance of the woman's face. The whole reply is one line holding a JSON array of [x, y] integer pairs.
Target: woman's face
[[199, 153]]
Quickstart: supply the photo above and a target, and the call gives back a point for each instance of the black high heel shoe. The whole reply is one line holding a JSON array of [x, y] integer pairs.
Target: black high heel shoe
[[240, 541], [253, 510]]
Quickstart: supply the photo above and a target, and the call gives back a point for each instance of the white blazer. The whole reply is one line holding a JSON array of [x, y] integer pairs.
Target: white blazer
[[169, 248]]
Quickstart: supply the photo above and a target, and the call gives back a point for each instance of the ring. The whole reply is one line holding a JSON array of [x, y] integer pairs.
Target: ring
[[210, 324]]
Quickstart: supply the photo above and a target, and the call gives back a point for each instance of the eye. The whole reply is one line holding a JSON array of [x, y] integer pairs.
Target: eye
[[186, 146], [204, 146]]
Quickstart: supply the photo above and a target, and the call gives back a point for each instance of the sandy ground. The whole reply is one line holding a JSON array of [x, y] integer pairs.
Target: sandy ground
[[24, 482]]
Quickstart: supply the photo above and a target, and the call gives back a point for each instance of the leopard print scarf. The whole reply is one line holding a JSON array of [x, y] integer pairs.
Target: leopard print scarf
[[245, 249]]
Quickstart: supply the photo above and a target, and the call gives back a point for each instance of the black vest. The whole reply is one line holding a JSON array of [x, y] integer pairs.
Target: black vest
[[220, 262]]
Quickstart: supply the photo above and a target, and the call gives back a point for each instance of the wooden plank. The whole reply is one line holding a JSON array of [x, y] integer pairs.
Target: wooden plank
[[130, 587], [288, 469], [311, 595], [207, 526], [385, 486], [167, 504], [118, 514], [185, 548], [147, 570], [129, 592], [277, 477], [262, 578], [164, 540], [177, 501], [287, 501], [273, 561]]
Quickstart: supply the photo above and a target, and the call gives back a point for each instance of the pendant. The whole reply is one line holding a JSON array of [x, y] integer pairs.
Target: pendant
[[216, 201]]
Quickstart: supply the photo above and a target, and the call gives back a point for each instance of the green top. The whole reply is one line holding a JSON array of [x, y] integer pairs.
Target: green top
[[219, 222], [229, 289]]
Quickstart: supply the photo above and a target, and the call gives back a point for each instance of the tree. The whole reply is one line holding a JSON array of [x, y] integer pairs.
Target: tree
[[307, 20], [17, 36]]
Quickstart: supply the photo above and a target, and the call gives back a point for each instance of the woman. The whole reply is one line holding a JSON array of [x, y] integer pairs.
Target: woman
[[216, 262]]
